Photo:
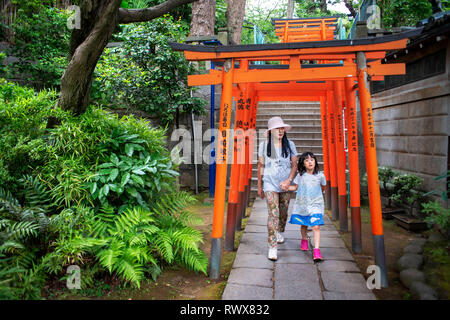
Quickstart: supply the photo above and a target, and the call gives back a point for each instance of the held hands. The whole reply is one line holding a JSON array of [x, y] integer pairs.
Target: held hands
[[285, 185]]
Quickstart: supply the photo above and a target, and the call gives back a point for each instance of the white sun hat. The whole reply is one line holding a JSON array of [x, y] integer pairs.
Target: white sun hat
[[277, 122]]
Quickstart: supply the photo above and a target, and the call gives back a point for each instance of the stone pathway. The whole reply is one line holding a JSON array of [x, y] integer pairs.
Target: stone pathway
[[294, 276]]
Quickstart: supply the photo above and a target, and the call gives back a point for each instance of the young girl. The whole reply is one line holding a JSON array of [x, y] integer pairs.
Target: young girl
[[309, 204]]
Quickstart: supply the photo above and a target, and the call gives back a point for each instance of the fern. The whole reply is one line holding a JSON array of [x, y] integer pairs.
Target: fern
[[110, 256], [20, 230], [139, 240], [104, 221], [163, 244], [133, 272], [194, 260], [35, 193]]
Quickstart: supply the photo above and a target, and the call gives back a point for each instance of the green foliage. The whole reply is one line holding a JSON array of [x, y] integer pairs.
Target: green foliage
[[442, 193], [20, 227], [262, 18], [437, 214], [152, 77], [138, 240], [41, 40], [396, 13], [386, 176], [51, 216], [406, 190], [23, 114]]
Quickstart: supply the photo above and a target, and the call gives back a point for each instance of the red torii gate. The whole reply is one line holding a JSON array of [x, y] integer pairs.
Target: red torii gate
[[305, 29], [361, 59]]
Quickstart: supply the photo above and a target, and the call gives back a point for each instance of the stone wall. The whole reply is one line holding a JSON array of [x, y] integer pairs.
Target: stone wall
[[412, 127], [202, 144]]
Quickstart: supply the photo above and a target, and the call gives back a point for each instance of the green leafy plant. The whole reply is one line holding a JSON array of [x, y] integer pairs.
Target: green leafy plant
[[407, 193], [442, 193], [386, 176], [20, 227], [132, 174], [437, 214], [41, 40], [138, 239]]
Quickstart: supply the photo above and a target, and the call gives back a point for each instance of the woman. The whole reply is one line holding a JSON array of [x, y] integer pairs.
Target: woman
[[277, 167]]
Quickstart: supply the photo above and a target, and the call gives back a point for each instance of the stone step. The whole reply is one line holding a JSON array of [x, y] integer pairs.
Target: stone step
[[307, 128], [287, 104], [296, 116], [292, 121], [286, 111]]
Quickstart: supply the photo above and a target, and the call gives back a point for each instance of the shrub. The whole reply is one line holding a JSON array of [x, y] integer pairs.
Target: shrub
[[437, 214], [61, 203], [406, 191], [138, 239], [386, 176], [41, 40]]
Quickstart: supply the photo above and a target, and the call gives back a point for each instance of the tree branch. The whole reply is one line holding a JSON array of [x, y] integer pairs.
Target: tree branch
[[350, 7], [147, 14]]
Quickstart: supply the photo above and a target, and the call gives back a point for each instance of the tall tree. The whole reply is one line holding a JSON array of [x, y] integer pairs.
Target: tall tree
[[98, 19], [235, 19], [203, 17]]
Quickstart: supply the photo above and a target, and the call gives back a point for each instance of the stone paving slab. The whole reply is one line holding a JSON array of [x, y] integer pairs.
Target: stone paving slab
[[257, 261], [294, 276], [296, 272], [256, 229], [246, 292], [251, 276], [297, 291], [257, 221], [297, 282], [348, 296], [288, 256], [344, 282], [289, 244], [336, 254], [331, 243], [338, 266]]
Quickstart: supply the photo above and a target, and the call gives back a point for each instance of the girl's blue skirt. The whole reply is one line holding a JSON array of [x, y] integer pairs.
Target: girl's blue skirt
[[311, 220]]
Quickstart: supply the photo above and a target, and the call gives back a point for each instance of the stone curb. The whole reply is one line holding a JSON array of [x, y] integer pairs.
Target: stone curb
[[409, 265]]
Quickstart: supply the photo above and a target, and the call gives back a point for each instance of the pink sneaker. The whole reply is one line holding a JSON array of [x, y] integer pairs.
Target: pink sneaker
[[317, 256], [304, 245]]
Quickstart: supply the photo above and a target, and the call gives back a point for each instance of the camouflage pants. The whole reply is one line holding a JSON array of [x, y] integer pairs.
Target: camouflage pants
[[277, 204]]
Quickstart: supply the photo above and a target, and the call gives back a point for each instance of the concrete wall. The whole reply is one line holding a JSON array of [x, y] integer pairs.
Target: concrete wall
[[412, 127]]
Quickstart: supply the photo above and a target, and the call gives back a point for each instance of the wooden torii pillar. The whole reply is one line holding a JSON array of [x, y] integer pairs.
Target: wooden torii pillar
[[354, 53]]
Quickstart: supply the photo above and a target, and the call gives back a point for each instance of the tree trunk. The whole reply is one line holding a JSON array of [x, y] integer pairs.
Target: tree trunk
[[86, 47], [290, 9], [203, 18], [235, 19], [99, 18]]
